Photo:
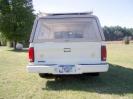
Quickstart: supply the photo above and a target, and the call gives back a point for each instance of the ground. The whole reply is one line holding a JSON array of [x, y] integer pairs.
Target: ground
[[17, 83]]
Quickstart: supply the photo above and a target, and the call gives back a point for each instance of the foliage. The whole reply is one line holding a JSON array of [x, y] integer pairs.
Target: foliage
[[117, 33], [16, 19]]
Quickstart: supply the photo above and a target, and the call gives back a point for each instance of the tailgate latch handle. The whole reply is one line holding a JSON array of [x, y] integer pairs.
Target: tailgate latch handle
[[67, 49]]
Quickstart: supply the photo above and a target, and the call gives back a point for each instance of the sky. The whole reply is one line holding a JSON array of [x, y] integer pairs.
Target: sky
[[109, 12]]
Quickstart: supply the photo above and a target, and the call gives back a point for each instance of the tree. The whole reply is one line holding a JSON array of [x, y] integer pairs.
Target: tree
[[117, 33], [2, 40], [16, 19]]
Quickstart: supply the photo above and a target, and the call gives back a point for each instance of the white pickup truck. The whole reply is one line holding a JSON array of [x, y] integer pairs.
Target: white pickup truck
[[67, 44]]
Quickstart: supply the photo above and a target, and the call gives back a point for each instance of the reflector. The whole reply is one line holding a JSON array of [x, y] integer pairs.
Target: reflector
[[103, 53]]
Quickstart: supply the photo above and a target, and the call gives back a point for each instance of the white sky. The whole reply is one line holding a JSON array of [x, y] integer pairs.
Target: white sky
[[110, 12]]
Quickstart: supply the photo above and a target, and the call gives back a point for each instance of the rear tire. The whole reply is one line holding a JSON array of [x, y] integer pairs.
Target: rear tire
[[95, 74], [47, 76]]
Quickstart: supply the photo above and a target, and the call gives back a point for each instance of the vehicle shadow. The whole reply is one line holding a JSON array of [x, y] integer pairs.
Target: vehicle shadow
[[23, 50], [118, 80]]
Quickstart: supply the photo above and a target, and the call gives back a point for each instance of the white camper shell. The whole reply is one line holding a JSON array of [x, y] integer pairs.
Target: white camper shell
[[67, 43]]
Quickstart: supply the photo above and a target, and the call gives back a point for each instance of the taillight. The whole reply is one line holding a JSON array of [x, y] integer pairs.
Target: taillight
[[31, 54], [103, 53]]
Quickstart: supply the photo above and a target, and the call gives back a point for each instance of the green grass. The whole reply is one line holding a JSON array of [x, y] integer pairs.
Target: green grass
[[16, 83]]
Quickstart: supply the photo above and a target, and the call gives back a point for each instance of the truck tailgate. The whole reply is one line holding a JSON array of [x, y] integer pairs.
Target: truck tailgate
[[68, 53]]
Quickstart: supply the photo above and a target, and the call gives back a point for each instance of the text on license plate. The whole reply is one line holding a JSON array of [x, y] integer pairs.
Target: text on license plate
[[66, 68]]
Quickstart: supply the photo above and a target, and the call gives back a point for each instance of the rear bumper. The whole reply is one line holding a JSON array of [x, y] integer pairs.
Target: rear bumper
[[78, 69]]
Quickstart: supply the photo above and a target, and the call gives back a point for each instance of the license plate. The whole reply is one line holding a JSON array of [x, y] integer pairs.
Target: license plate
[[66, 68]]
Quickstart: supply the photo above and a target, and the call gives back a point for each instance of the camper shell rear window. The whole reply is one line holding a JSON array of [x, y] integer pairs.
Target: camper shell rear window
[[69, 29]]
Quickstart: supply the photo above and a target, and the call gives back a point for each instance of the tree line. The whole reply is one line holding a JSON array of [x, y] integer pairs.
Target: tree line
[[116, 33]]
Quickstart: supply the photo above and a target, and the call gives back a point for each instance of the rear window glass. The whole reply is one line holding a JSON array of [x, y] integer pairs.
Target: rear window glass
[[67, 29], [67, 34]]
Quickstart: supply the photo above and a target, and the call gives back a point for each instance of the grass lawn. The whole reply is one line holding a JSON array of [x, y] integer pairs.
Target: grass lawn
[[16, 83]]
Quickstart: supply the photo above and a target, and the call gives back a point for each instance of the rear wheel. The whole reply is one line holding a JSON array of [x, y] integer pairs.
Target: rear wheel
[[95, 74], [48, 76]]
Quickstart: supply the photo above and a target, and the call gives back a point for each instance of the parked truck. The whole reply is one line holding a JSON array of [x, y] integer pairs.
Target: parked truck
[[67, 44]]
